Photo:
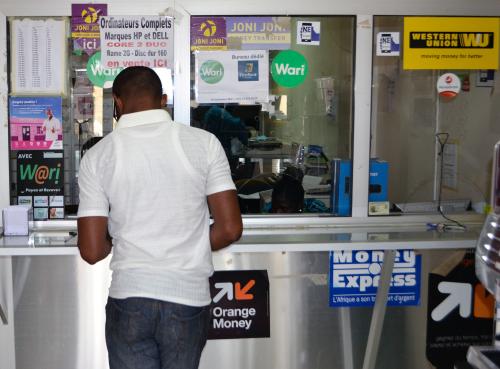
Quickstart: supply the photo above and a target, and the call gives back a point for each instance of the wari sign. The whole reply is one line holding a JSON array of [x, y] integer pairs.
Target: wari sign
[[355, 275], [289, 68], [98, 75], [85, 26], [137, 40], [240, 304], [451, 43], [40, 183]]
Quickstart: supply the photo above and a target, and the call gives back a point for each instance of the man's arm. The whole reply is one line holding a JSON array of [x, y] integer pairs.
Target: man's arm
[[94, 241], [227, 226]]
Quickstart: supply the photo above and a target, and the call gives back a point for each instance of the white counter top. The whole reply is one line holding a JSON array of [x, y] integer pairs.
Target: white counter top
[[53, 242], [39, 243]]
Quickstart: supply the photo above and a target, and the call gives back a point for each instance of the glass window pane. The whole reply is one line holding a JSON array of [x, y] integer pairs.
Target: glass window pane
[[413, 128], [284, 145]]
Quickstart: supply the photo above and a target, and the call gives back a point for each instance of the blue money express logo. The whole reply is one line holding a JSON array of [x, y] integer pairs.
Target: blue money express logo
[[40, 173], [289, 68], [211, 71]]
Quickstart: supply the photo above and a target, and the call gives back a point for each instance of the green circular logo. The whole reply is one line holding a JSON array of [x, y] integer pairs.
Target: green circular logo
[[211, 71], [289, 68], [98, 75]]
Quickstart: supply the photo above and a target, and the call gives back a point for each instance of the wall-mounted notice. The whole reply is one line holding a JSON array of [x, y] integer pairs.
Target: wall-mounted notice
[[137, 40], [258, 33], [232, 76], [451, 43], [38, 56], [355, 275], [35, 123], [208, 33], [40, 183], [85, 26]]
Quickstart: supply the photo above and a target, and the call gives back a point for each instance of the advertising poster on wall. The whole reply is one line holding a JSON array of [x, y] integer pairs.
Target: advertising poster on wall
[[240, 304], [451, 43], [459, 311], [355, 275], [85, 26], [258, 33], [208, 33], [137, 40], [40, 183], [35, 123], [232, 76]]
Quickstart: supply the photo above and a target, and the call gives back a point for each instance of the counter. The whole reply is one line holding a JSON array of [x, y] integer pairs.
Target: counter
[[43, 273], [57, 239]]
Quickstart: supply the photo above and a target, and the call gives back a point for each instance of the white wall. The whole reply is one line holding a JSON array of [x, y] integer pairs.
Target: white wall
[[380, 7], [4, 142]]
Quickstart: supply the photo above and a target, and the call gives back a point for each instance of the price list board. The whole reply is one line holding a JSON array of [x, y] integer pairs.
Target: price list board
[[38, 56]]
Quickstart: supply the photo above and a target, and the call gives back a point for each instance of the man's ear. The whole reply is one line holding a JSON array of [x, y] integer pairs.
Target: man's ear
[[118, 102], [163, 100]]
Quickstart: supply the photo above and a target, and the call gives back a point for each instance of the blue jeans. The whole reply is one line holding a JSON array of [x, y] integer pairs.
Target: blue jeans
[[144, 333]]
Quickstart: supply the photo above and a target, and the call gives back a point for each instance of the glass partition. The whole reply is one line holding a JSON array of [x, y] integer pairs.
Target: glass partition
[[282, 126], [86, 114], [432, 147]]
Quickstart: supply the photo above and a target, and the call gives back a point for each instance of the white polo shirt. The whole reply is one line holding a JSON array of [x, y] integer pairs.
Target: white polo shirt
[[151, 178]]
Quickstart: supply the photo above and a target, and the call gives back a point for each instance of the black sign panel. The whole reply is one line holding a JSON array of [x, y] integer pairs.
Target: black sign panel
[[40, 182], [240, 304], [459, 314]]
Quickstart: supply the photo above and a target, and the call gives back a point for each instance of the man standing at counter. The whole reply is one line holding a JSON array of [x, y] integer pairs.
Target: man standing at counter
[[146, 191]]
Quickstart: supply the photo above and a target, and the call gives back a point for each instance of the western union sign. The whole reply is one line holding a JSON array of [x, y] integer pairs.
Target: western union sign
[[451, 43]]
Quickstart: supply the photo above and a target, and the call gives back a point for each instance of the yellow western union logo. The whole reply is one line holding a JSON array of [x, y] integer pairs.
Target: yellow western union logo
[[451, 40]]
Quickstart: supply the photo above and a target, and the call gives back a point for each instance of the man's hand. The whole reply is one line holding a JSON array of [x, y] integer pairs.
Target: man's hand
[[94, 241], [227, 226]]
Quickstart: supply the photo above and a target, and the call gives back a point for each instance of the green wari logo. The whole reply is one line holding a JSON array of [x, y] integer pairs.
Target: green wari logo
[[289, 68], [211, 71]]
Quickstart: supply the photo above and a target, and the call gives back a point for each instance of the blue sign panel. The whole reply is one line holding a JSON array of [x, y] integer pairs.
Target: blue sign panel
[[248, 70], [354, 278]]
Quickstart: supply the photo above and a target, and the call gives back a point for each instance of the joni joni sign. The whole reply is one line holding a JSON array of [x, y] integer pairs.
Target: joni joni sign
[[208, 33], [85, 26], [258, 33]]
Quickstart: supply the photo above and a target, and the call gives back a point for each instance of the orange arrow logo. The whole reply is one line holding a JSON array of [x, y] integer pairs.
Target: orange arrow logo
[[483, 302], [242, 293]]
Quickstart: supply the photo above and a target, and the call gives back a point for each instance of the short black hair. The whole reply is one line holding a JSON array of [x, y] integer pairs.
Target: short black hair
[[287, 196], [137, 80]]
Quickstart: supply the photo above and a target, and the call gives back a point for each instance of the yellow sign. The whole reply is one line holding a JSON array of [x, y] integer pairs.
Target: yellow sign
[[451, 43]]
